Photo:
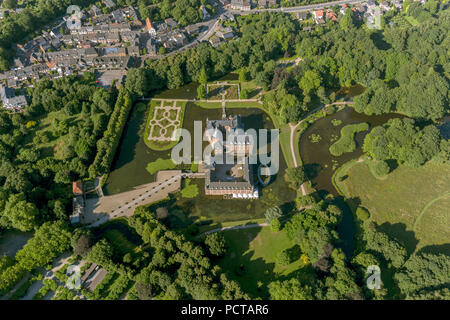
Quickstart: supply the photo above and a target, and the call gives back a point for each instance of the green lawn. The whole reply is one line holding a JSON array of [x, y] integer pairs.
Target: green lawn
[[189, 190], [251, 256], [119, 241], [403, 202]]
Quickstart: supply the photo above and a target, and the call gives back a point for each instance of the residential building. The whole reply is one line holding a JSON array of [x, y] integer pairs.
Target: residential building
[[10, 100], [94, 11], [205, 12], [330, 15], [192, 29], [244, 5], [318, 16], [109, 3], [171, 23], [301, 15]]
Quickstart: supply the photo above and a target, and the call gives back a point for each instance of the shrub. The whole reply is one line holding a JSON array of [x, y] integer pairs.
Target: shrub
[[216, 243], [275, 225], [283, 258], [304, 201], [362, 213], [296, 176]]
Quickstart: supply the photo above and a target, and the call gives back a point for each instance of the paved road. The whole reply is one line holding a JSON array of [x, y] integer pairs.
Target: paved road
[[310, 7], [124, 208], [211, 24]]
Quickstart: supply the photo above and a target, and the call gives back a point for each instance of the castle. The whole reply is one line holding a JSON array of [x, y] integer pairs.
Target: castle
[[232, 179]]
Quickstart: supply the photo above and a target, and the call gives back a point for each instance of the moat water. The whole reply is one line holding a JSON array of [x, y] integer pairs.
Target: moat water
[[129, 169]]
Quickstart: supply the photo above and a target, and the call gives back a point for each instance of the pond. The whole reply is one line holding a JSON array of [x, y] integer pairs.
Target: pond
[[320, 164], [128, 169], [316, 156]]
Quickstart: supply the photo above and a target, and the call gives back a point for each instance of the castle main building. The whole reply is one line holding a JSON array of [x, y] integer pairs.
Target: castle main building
[[233, 179]]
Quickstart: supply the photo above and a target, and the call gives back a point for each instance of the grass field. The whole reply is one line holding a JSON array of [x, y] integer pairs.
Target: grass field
[[119, 241], [410, 204], [251, 256]]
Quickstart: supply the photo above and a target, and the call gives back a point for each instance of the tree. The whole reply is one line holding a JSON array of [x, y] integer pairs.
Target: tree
[[19, 213], [10, 4], [283, 258], [244, 93], [290, 289], [101, 253], [310, 81], [137, 81], [216, 243], [296, 176], [423, 271], [49, 241], [83, 245], [346, 21], [201, 91], [272, 213], [362, 213], [275, 225]]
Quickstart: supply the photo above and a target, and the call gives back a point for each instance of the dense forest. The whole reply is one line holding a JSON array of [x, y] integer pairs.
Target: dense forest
[[40, 158], [72, 128]]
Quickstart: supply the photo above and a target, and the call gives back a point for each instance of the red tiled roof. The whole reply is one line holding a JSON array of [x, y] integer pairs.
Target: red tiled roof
[[77, 187]]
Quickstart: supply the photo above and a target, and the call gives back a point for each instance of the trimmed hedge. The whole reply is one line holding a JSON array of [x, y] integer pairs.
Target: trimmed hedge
[[107, 146]]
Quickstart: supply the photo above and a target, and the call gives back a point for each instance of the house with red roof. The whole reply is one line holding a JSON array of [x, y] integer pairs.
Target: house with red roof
[[318, 16]]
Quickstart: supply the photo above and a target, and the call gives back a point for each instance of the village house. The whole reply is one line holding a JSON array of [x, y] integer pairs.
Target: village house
[[228, 16], [133, 16], [10, 100], [301, 15], [330, 15], [192, 29], [244, 5], [318, 16], [171, 23], [225, 33], [267, 3], [94, 11], [109, 3], [133, 51], [385, 6], [205, 12], [151, 47], [214, 41]]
